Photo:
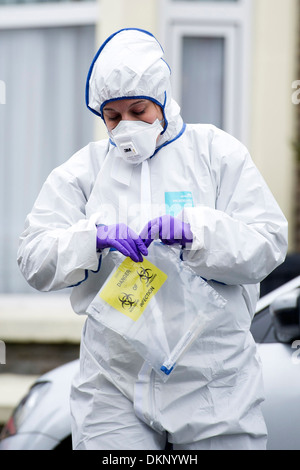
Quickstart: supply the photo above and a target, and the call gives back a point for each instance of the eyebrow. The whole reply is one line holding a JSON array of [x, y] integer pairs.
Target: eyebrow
[[137, 102], [132, 104]]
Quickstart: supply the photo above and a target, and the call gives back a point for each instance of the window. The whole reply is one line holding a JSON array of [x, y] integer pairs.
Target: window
[[44, 60], [205, 0], [207, 47], [209, 79], [12, 2]]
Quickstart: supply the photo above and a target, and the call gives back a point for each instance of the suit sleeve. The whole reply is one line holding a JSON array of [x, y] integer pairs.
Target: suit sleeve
[[58, 244], [244, 237]]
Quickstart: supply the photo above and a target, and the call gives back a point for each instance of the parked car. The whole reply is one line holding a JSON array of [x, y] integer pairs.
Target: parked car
[[42, 418]]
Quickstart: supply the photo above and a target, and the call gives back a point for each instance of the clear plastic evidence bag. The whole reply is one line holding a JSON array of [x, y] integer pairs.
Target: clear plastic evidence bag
[[159, 306]]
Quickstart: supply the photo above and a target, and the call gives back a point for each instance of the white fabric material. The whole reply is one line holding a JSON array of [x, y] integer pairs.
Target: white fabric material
[[136, 140], [146, 198], [121, 423], [240, 236]]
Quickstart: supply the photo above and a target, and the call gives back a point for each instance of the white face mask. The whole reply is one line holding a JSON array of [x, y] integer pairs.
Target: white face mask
[[136, 140]]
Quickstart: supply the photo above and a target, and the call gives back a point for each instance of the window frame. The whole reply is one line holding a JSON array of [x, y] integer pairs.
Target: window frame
[[224, 32], [39, 15], [229, 20], [43, 16]]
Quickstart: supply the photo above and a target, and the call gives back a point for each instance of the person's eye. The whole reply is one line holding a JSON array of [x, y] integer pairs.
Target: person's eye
[[112, 118], [110, 115], [138, 112]]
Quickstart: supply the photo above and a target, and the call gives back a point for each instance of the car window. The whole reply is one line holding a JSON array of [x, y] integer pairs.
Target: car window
[[262, 328]]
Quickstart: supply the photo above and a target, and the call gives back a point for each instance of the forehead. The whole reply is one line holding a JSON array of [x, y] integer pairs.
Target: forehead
[[121, 105]]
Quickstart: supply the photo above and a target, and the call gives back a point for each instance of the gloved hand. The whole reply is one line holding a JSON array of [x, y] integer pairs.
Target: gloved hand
[[168, 229], [122, 238]]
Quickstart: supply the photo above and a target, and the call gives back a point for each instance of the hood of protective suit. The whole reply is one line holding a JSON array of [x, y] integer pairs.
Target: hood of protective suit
[[130, 64]]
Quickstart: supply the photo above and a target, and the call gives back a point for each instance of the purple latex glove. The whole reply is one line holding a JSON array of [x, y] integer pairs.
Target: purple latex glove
[[122, 238], [168, 229]]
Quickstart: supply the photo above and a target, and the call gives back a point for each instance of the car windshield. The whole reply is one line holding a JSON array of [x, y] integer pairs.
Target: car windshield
[[262, 327]]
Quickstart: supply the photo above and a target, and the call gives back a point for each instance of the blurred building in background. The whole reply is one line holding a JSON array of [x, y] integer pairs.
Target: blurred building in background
[[233, 64]]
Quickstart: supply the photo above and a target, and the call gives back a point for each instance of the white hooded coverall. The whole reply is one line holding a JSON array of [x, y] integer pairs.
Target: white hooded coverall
[[212, 399]]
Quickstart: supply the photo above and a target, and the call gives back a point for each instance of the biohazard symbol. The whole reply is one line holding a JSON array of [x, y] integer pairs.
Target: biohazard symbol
[[145, 274], [127, 300]]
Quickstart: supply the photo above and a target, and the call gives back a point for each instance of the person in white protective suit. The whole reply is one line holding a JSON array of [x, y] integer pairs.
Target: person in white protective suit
[[114, 194]]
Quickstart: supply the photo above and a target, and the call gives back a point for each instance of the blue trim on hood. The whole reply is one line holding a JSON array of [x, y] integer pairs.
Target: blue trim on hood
[[170, 141], [141, 97], [87, 86], [137, 97]]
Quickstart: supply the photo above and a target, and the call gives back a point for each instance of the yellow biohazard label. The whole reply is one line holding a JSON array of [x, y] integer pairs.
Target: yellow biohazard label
[[132, 286]]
